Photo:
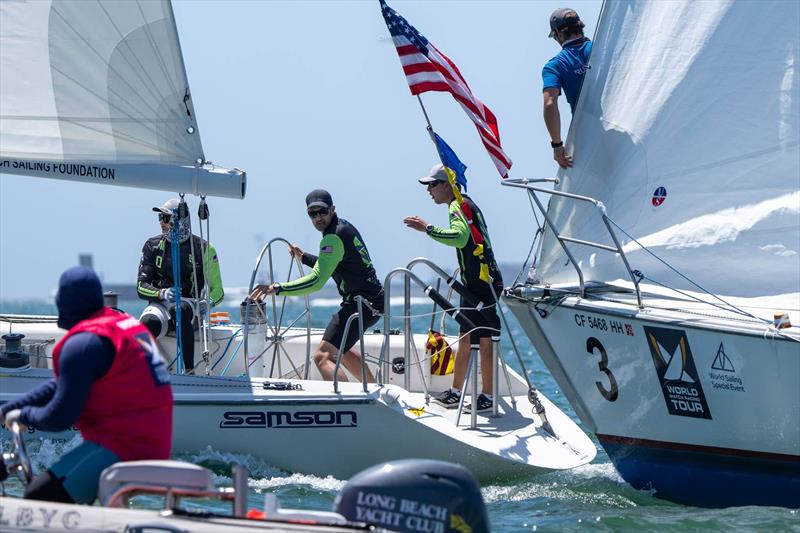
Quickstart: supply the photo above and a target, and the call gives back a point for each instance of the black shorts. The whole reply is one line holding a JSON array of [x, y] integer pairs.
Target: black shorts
[[487, 317], [335, 330]]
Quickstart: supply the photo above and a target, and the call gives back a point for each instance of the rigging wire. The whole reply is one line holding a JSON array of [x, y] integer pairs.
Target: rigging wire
[[679, 273]]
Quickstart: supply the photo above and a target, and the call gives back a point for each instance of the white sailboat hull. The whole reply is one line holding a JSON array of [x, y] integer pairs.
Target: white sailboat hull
[[312, 429], [18, 515], [703, 410]]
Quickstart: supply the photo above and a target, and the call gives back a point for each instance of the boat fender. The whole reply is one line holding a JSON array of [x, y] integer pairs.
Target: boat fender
[[415, 495]]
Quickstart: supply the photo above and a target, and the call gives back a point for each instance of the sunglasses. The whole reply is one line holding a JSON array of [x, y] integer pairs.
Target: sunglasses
[[433, 184], [318, 213], [163, 217]]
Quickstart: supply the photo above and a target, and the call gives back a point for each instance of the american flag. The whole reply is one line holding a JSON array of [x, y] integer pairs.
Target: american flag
[[427, 69]]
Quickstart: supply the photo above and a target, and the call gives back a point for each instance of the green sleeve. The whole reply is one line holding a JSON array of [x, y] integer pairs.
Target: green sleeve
[[457, 235], [215, 292], [331, 252]]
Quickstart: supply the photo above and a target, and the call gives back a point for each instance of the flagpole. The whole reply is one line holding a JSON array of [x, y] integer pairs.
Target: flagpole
[[424, 112]]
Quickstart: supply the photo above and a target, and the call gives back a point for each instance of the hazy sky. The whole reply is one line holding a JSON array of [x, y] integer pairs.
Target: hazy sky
[[309, 94]]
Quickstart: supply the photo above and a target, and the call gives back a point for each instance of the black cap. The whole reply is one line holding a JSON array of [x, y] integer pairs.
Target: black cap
[[319, 198], [562, 16]]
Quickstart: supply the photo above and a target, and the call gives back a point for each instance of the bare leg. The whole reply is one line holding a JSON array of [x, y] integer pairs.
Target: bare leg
[[325, 359], [352, 361], [460, 366]]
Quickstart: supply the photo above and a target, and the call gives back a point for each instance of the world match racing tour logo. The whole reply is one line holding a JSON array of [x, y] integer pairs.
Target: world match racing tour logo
[[677, 373]]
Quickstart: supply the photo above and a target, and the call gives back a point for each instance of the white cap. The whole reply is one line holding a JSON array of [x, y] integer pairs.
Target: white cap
[[168, 206], [437, 173]]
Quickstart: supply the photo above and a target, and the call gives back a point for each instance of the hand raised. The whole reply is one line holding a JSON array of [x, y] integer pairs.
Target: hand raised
[[415, 222], [560, 156]]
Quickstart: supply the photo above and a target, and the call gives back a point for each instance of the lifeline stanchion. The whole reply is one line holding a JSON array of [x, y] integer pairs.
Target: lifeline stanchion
[[472, 372], [496, 373]]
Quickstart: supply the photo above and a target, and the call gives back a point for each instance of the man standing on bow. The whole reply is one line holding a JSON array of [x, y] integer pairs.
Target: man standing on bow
[[110, 381], [344, 257], [564, 72], [156, 282], [459, 236]]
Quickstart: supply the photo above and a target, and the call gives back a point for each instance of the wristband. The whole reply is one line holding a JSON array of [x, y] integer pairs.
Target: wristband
[[429, 229], [558, 144]]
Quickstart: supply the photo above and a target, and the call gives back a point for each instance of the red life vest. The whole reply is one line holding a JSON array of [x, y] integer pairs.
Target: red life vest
[[128, 410]]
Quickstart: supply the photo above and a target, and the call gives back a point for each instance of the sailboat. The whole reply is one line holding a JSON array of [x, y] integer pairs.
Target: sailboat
[[670, 256], [97, 92]]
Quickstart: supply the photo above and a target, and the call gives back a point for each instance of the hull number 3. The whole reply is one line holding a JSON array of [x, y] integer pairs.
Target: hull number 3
[[612, 392]]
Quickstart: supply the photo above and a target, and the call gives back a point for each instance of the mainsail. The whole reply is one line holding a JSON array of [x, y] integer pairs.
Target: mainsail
[[687, 130], [97, 92]]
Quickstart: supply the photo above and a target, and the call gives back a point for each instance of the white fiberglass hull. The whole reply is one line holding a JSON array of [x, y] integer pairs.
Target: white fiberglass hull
[[312, 429], [18, 515], [704, 410]]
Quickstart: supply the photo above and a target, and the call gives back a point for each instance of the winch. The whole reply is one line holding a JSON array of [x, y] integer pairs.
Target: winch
[[13, 356]]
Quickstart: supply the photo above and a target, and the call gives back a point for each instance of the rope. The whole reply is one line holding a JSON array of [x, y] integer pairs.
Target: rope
[[176, 280], [202, 211]]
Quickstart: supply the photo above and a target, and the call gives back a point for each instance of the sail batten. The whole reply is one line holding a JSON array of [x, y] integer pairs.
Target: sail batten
[[688, 131], [102, 84]]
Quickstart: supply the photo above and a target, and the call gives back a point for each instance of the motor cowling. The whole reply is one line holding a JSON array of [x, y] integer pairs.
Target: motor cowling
[[415, 496]]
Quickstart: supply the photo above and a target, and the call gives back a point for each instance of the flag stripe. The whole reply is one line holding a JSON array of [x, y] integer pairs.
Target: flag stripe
[[428, 69]]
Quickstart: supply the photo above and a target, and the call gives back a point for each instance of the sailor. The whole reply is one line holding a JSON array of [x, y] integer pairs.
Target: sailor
[[156, 282], [110, 381], [344, 257], [480, 275], [564, 72]]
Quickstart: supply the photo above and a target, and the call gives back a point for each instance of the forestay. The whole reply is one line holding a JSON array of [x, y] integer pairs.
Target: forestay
[[687, 131], [97, 92]]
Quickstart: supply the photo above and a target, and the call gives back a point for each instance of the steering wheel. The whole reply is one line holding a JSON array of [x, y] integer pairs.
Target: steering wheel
[[17, 460]]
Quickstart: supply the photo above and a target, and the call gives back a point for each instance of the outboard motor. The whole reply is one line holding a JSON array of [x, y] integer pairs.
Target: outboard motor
[[415, 496], [13, 356]]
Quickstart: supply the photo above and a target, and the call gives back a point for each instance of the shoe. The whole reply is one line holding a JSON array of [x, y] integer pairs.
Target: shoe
[[484, 404], [447, 399]]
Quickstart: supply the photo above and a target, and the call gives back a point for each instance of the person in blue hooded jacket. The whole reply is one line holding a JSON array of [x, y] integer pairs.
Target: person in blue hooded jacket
[[110, 380]]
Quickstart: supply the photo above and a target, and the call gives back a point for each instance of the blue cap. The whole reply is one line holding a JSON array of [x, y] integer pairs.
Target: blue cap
[[79, 296]]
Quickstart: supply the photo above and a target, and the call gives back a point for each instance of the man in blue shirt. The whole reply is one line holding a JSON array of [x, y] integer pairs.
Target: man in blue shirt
[[564, 72]]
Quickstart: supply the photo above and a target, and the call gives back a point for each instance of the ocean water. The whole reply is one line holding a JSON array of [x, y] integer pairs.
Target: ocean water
[[592, 497]]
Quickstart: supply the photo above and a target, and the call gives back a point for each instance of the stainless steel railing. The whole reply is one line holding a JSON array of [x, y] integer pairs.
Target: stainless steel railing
[[525, 183]]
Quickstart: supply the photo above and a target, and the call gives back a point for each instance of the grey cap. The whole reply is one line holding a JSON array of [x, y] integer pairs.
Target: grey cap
[[168, 206], [319, 198], [437, 173], [561, 17]]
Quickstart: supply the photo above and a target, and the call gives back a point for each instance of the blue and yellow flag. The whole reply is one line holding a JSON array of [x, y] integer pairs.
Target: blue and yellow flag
[[451, 161]]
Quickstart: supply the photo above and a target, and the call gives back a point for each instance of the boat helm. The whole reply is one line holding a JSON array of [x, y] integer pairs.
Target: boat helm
[[415, 495]]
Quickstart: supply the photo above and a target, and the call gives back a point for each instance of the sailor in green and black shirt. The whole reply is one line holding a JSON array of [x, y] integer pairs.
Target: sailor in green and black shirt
[[344, 257], [459, 236], [155, 282]]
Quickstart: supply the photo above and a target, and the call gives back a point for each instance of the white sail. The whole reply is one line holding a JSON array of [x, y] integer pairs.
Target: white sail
[[700, 101], [97, 92]]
